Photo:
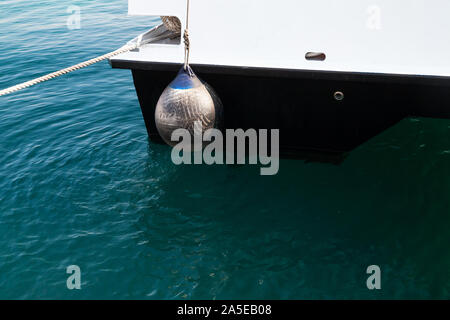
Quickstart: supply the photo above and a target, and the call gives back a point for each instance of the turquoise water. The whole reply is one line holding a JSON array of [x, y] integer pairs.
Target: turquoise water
[[81, 184]]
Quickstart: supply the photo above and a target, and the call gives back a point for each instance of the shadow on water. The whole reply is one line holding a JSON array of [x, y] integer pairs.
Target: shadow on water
[[310, 231]]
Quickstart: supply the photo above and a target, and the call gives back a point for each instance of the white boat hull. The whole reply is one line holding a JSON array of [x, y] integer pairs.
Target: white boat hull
[[381, 36], [385, 60]]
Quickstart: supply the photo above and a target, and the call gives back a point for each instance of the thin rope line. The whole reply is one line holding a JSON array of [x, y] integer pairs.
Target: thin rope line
[[187, 43]]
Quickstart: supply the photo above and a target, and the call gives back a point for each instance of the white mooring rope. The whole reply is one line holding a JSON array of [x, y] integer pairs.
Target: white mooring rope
[[67, 70]]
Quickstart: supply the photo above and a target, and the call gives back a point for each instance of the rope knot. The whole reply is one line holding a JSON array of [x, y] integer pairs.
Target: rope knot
[[187, 46], [187, 43]]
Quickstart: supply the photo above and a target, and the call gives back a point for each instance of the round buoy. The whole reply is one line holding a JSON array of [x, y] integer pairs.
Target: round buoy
[[185, 101]]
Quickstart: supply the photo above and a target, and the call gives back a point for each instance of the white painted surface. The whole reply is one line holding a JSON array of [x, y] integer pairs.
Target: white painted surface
[[381, 36]]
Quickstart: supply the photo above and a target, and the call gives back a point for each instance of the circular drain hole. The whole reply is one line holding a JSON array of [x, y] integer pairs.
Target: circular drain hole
[[338, 96]]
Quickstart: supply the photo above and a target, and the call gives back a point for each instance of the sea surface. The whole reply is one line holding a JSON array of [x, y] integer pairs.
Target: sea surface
[[80, 184]]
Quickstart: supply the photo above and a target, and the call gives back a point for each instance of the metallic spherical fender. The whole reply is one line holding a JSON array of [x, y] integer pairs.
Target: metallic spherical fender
[[186, 100]]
